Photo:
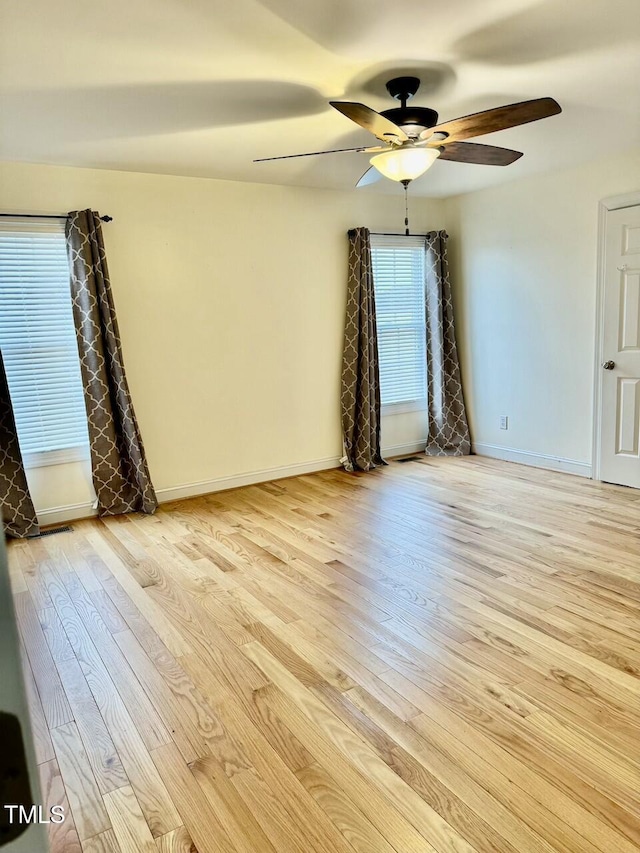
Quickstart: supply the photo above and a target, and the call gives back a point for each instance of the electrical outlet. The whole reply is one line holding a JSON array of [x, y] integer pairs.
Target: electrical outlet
[[504, 422]]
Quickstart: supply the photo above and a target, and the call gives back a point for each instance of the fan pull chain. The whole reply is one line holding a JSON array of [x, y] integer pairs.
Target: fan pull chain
[[406, 207]]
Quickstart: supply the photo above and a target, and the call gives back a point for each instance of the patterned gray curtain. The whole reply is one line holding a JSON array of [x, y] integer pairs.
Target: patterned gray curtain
[[360, 392], [119, 466], [448, 428], [16, 507]]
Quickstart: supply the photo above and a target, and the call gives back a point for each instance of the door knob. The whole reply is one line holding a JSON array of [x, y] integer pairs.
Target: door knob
[[609, 365]]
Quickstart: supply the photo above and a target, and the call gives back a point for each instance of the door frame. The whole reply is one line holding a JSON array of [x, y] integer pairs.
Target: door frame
[[616, 202]]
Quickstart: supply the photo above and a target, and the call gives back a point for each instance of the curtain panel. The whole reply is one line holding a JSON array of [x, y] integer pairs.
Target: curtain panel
[[119, 466], [360, 387], [448, 427], [16, 506]]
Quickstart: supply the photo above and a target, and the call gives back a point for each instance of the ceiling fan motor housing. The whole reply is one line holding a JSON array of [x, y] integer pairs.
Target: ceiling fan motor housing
[[410, 118]]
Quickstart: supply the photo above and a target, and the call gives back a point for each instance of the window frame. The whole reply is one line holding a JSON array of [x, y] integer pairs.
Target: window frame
[[80, 451], [403, 406]]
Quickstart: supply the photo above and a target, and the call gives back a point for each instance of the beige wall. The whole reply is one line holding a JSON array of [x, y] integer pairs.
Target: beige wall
[[524, 269], [230, 299]]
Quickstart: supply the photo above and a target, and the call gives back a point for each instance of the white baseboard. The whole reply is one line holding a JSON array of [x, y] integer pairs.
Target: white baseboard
[[74, 512], [403, 449], [64, 514], [203, 487], [537, 460]]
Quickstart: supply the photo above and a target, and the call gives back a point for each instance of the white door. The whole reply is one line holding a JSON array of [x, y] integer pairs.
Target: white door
[[620, 399]]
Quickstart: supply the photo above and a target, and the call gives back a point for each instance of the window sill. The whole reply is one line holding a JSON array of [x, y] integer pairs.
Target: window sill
[[404, 408], [56, 457]]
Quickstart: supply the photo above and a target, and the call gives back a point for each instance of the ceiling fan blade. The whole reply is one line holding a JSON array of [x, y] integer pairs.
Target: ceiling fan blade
[[315, 153], [484, 155], [499, 118], [370, 177], [371, 120]]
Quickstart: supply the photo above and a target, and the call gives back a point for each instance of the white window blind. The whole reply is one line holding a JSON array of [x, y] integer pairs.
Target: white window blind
[[399, 284], [37, 338]]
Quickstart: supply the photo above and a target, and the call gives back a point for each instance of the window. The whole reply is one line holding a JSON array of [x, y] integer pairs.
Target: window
[[398, 279], [38, 341]]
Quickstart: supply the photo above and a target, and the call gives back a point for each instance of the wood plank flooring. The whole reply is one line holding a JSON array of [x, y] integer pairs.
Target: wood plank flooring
[[441, 655]]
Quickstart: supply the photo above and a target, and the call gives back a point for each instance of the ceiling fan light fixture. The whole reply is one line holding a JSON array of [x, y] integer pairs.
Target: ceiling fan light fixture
[[405, 164]]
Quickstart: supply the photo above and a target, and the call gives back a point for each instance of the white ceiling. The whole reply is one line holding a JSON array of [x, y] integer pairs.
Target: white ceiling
[[201, 87]]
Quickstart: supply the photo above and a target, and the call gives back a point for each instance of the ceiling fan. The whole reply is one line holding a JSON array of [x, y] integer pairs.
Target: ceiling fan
[[413, 139]]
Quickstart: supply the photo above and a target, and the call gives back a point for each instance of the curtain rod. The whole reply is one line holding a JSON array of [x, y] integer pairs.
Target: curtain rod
[[48, 216]]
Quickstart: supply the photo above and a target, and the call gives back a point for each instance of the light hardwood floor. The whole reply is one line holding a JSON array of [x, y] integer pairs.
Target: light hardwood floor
[[442, 655]]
